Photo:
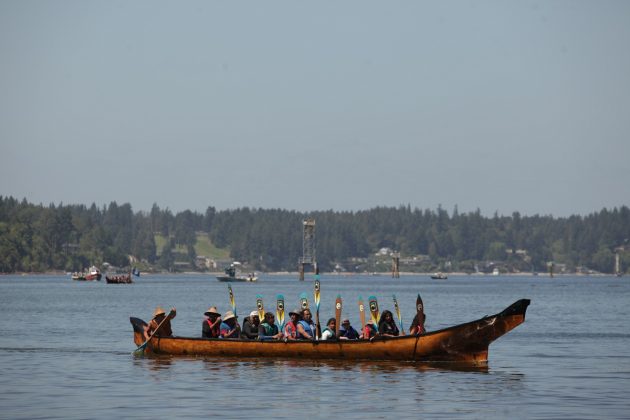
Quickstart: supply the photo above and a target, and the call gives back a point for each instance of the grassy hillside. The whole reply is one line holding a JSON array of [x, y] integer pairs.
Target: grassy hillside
[[203, 246]]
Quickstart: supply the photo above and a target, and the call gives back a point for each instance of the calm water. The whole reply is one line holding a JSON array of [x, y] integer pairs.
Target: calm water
[[65, 352]]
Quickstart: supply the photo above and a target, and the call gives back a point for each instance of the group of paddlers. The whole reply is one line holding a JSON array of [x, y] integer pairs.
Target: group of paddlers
[[299, 327]]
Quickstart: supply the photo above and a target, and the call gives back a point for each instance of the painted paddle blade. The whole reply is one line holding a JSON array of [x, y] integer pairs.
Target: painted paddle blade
[[303, 301], [420, 314], [316, 294], [374, 312], [338, 308], [362, 312], [260, 306], [280, 312], [400, 323], [232, 301]]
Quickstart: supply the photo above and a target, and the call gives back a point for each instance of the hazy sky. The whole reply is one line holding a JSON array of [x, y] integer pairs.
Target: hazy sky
[[498, 105]]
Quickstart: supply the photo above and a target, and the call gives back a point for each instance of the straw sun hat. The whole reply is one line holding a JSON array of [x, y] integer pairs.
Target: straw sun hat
[[212, 311]]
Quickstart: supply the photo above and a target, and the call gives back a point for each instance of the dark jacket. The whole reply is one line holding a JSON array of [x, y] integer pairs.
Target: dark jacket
[[350, 333], [388, 328], [208, 332], [249, 330]]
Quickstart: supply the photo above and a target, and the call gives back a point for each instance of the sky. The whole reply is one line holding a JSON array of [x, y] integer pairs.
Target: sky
[[500, 106]]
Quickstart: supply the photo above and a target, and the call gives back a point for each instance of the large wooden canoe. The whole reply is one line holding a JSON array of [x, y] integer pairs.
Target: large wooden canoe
[[119, 279], [461, 343]]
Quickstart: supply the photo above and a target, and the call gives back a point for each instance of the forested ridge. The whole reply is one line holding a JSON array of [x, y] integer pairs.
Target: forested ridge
[[38, 238]]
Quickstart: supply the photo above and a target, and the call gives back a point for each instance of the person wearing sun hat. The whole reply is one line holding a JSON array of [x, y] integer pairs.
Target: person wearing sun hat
[[250, 326], [290, 329], [158, 316], [229, 326], [210, 328]]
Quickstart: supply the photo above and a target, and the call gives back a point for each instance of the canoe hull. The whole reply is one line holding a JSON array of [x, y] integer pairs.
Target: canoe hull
[[466, 343]]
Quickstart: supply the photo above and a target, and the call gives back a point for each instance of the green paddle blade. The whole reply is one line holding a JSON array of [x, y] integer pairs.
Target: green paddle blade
[[303, 300], [280, 311], [261, 308], [376, 315]]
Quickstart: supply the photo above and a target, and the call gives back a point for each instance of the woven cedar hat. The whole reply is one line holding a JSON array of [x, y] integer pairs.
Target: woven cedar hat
[[212, 311]]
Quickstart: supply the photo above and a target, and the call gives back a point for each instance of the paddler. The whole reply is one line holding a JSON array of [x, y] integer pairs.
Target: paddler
[[210, 328], [158, 316], [329, 331], [250, 326], [229, 327], [290, 330], [306, 327], [346, 332], [386, 325]]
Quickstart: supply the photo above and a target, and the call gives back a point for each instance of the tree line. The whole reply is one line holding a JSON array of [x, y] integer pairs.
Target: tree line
[[37, 238]]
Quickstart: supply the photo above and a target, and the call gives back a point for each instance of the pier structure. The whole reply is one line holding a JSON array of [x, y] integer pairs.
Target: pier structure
[[618, 251], [396, 265], [308, 248]]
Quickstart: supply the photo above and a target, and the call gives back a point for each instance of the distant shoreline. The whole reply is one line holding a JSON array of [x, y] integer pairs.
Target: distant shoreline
[[330, 274]]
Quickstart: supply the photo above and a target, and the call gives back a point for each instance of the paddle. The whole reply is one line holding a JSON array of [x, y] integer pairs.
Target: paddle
[[317, 297], [280, 312], [402, 330], [232, 301], [362, 312], [420, 315], [338, 307], [376, 315], [303, 301], [140, 350], [260, 306]]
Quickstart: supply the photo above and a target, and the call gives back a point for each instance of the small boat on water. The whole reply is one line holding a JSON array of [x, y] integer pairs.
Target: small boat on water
[[249, 277], [439, 276], [465, 343], [93, 274], [231, 274]]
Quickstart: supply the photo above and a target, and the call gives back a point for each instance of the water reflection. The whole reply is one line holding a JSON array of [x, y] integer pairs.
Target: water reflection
[[225, 365], [154, 363]]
